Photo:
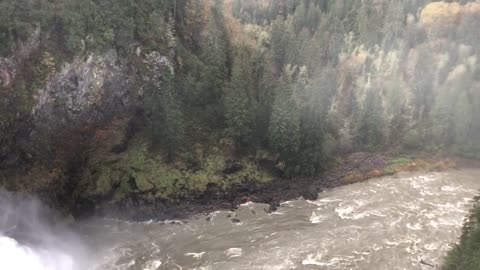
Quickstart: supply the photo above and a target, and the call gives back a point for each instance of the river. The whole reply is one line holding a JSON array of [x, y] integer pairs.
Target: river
[[387, 223]]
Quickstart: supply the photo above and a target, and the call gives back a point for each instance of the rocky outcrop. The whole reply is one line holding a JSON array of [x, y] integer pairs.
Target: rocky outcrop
[[99, 152], [84, 92], [47, 145], [7, 72]]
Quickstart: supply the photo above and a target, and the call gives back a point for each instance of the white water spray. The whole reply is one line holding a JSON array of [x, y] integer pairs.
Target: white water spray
[[30, 239]]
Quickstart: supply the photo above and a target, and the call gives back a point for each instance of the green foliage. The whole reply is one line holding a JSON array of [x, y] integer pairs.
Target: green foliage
[[466, 255], [462, 118], [317, 143], [147, 175], [413, 140], [92, 25], [214, 74], [239, 118], [369, 23], [17, 22], [285, 120], [370, 126], [163, 105], [400, 161], [281, 42], [305, 79], [394, 23], [423, 85]]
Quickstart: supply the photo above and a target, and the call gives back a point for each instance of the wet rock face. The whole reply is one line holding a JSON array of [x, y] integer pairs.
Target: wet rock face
[[83, 92], [7, 72], [62, 107], [72, 108]]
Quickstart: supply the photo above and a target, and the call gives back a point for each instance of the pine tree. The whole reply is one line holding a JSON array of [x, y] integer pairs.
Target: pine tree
[[369, 23], [164, 106], [398, 125], [394, 23], [213, 76], [370, 130], [463, 117], [300, 17], [443, 124], [265, 85], [239, 116], [285, 121], [423, 85], [18, 19], [171, 115], [313, 17], [313, 154], [280, 42]]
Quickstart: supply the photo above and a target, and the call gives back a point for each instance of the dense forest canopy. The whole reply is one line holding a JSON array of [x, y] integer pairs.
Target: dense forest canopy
[[291, 83]]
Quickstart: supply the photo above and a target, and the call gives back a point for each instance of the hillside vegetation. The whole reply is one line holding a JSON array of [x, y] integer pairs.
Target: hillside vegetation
[[109, 100], [466, 254]]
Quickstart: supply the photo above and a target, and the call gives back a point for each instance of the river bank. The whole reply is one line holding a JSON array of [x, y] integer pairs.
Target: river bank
[[406, 221], [354, 168]]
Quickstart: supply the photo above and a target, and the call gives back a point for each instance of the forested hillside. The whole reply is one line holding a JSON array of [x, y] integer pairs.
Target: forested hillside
[[102, 99]]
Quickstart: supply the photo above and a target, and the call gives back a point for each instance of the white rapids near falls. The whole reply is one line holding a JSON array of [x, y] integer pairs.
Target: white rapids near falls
[[406, 221]]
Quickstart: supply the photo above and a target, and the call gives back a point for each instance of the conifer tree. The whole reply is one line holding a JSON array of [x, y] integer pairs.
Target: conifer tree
[[463, 117], [279, 42], [370, 130], [213, 76], [394, 23], [285, 120], [300, 17], [163, 105], [239, 116], [314, 125], [369, 23], [423, 85]]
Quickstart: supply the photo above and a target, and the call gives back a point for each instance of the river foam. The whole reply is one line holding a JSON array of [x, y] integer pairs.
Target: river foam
[[16, 256], [387, 223], [31, 240]]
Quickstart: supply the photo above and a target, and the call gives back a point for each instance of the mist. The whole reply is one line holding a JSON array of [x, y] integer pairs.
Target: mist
[[32, 238], [163, 109]]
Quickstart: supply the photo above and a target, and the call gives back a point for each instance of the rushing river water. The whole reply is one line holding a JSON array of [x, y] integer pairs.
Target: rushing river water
[[388, 223]]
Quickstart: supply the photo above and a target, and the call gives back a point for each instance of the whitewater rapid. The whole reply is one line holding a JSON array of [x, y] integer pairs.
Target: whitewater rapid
[[32, 237], [388, 223], [21, 257]]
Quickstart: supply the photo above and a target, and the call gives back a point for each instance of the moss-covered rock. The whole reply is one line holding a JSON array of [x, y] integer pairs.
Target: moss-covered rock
[[143, 172]]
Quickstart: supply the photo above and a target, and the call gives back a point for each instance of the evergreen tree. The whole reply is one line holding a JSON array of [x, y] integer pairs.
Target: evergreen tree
[[280, 42], [463, 118], [313, 154], [239, 115], [443, 116], [300, 17], [215, 58], [423, 85], [285, 120], [370, 129], [398, 126], [264, 86], [163, 106], [394, 23], [18, 19], [335, 37], [369, 23], [313, 17]]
